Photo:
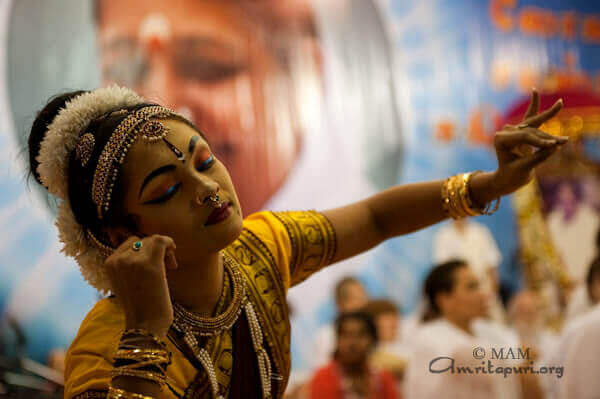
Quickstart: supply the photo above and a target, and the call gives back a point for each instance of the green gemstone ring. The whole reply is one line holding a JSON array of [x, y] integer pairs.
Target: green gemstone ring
[[137, 245]]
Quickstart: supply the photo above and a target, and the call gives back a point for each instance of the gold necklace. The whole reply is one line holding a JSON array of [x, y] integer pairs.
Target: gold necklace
[[213, 326], [190, 324]]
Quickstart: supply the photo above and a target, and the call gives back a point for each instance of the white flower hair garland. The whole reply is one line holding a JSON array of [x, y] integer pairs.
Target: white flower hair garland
[[58, 143]]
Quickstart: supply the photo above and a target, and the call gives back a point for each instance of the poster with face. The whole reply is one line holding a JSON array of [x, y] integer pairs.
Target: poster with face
[[279, 89]]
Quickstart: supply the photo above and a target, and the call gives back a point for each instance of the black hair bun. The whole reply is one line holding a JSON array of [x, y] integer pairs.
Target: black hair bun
[[40, 127]]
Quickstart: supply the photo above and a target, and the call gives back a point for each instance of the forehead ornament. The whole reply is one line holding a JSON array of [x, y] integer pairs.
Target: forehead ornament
[[141, 123]]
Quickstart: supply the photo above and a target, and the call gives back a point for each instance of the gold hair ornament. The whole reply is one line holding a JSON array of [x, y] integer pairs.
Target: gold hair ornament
[[113, 155], [84, 148]]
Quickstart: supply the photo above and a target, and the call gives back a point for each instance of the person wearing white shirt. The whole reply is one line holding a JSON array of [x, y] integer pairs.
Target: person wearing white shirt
[[472, 242], [525, 312], [577, 352], [585, 295], [451, 338]]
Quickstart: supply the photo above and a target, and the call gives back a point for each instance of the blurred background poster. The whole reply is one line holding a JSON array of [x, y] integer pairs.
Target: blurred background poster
[[310, 105]]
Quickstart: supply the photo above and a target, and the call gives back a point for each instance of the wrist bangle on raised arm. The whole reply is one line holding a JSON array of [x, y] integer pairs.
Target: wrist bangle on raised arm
[[456, 198]]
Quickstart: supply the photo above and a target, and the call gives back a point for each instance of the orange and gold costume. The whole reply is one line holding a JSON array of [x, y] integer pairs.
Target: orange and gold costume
[[275, 251]]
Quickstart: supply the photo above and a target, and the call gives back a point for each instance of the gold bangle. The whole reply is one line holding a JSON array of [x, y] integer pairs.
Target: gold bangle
[[136, 334], [465, 195], [116, 393], [487, 210], [456, 198], [137, 353], [143, 374], [456, 185], [449, 198], [158, 360], [445, 197]]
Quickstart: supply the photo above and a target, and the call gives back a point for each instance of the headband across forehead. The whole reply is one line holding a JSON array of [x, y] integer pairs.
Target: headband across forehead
[[63, 133], [141, 123]]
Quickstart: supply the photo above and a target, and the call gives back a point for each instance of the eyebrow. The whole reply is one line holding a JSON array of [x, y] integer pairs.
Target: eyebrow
[[155, 173], [192, 145]]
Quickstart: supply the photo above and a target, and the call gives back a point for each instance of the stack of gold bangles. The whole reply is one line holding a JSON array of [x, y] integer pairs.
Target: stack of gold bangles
[[456, 198], [141, 355]]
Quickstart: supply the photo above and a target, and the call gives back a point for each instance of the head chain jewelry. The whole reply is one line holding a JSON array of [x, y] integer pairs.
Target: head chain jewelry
[[136, 124], [84, 148], [87, 142]]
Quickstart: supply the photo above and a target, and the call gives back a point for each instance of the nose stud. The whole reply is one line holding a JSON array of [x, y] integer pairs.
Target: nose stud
[[213, 200]]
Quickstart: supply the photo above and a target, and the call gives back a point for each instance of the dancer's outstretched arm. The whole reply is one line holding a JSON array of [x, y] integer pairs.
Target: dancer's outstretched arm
[[407, 208]]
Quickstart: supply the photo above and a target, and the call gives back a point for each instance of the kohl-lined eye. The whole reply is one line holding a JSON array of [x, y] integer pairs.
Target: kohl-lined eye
[[171, 191], [207, 163]]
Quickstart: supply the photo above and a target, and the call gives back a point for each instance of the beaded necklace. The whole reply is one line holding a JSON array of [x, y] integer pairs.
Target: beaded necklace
[[193, 325]]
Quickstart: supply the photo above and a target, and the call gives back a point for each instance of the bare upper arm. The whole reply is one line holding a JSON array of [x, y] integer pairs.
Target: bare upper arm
[[355, 229]]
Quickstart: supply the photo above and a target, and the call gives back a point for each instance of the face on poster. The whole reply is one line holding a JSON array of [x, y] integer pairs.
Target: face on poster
[[257, 77]]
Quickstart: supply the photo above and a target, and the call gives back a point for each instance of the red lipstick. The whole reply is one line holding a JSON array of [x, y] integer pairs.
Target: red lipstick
[[219, 214]]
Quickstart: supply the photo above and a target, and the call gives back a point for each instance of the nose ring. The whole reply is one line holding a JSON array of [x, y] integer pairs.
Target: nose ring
[[213, 200]]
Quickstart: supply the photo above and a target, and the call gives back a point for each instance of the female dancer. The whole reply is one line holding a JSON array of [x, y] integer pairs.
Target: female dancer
[[198, 293]]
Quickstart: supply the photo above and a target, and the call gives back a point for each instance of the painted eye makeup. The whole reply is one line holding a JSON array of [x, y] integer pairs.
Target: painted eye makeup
[[171, 191], [207, 163]]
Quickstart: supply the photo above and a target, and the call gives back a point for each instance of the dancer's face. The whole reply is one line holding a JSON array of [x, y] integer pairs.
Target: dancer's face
[[206, 60], [166, 196]]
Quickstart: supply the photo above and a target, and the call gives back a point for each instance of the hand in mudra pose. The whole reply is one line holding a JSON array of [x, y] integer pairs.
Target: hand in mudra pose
[[521, 148]]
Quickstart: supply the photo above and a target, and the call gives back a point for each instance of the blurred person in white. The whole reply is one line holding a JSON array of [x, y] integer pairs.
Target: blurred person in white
[[473, 242], [586, 295], [578, 353], [350, 296], [391, 352], [573, 225], [526, 316], [457, 301]]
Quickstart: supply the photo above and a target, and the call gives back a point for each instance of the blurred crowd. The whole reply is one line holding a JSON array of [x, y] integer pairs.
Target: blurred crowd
[[464, 340]]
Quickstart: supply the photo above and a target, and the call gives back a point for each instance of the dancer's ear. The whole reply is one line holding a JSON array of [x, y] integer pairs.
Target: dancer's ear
[[118, 235]]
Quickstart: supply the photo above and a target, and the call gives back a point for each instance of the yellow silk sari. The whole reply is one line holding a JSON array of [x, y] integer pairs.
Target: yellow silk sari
[[275, 251]]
